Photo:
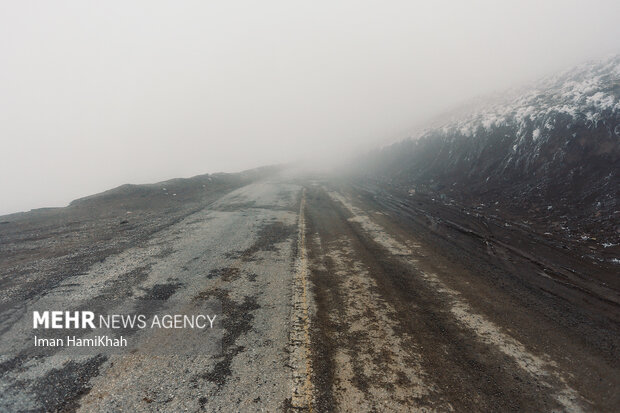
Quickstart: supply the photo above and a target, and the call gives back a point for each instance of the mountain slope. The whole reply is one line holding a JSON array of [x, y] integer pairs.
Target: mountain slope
[[549, 158]]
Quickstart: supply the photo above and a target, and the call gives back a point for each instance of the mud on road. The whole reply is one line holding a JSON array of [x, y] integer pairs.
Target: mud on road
[[411, 316]]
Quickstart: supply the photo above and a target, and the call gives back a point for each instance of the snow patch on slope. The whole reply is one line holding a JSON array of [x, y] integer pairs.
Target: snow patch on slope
[[584, 94]]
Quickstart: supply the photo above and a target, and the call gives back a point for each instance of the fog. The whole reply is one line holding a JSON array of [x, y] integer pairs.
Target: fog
[[97, 94]]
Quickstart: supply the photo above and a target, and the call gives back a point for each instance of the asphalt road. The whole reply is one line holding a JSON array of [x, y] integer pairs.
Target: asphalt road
[[334, 298]]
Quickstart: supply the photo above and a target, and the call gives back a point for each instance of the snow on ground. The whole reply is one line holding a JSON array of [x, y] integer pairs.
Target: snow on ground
[[582, 94]]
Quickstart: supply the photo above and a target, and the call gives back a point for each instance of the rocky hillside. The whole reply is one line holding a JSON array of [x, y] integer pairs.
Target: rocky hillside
[[549, 158]]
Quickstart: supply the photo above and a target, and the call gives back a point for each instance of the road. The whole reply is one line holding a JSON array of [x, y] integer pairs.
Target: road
[[334, 297]]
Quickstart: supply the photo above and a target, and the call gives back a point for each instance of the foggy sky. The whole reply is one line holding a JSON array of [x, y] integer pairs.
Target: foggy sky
[[96, 94]]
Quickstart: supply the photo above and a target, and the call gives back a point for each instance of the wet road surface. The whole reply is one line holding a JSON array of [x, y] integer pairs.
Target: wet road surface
[[334, 298]]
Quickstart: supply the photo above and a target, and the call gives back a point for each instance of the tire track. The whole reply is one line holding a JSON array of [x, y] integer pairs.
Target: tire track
[[540, 368]]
